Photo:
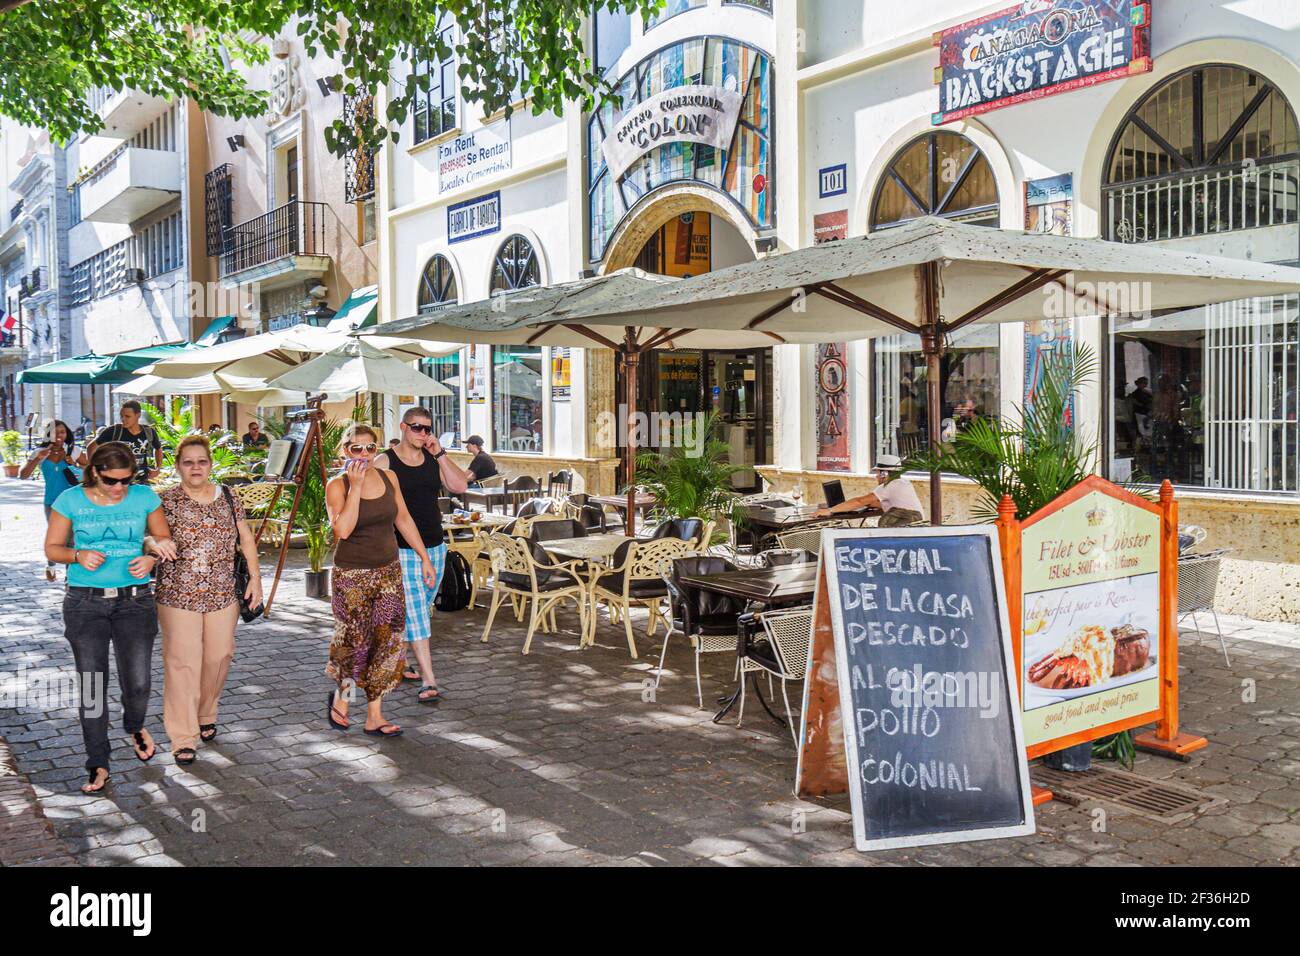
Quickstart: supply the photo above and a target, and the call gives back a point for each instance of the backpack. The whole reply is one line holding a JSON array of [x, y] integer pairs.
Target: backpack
[[454, 592]]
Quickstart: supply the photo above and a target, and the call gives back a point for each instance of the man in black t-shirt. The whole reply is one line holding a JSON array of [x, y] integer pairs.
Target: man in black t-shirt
[[255, 438], [142, 440], [481, 466]]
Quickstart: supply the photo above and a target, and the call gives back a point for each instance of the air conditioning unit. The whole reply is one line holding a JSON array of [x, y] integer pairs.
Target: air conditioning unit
[[135, 275]]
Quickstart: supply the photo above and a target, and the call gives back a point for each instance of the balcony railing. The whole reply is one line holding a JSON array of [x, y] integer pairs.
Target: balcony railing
[[31, 283], [1204, 202], [294, 229]]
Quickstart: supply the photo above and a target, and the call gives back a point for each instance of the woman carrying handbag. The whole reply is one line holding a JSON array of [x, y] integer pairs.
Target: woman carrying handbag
[[200, 597]]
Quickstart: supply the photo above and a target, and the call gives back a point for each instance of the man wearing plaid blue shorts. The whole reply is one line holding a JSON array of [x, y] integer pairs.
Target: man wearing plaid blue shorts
[[423, 470]]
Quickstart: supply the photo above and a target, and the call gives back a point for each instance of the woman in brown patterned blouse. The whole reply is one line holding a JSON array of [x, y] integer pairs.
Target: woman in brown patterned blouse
[[197, 604]]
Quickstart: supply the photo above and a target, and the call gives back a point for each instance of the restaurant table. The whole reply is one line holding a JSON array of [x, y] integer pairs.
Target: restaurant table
[[486, 497], [594, 549], [765, 520], [644, 502], [769, 587]]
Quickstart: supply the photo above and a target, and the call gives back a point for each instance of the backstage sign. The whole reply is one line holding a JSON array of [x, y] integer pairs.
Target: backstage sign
[[684, 114], [1036, 49]]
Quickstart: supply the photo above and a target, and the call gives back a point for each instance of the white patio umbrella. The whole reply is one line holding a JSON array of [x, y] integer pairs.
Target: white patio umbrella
[[148, 386], [931, 278], [354, 367]]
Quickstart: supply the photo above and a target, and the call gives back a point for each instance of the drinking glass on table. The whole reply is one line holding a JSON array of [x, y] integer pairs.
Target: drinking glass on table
[[797, 495]]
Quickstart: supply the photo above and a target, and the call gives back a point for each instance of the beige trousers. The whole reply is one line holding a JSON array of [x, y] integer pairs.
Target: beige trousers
[[197, 649]]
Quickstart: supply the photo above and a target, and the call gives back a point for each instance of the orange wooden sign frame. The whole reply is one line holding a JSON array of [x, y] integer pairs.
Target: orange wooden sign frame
[[1166, 739]]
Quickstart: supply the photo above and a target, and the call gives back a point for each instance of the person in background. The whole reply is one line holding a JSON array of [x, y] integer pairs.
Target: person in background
[[481, 466], [141, 439], [365, 505], [394, 442], [423, 470], [894, 497], [198, 607], [59, 461], [254, 437], [109, 600]]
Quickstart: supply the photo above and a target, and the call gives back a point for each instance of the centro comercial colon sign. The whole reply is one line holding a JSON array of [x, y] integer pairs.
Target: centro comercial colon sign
[[684, 114]]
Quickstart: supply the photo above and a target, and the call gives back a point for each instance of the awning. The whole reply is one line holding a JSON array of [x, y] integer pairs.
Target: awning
[[123, 366], [213, 332], [358, 311]]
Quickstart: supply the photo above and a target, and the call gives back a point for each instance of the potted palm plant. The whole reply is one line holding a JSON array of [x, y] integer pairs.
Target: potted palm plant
[[691, 478], [312, 520], [11, 451], [1035, 457]]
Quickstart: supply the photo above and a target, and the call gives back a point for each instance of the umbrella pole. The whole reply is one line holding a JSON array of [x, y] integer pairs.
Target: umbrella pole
[[932, 347], [631, 359]]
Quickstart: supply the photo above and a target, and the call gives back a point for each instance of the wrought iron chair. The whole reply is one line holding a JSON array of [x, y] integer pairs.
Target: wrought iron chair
[[636, 577], [783, 655], [708, 620], [524, 572], [1198, 583]]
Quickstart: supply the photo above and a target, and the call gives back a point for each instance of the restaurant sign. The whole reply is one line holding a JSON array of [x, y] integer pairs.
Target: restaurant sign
[[1036, 49], [683, 114], [1091, 584], [474, 217], [832, 407]]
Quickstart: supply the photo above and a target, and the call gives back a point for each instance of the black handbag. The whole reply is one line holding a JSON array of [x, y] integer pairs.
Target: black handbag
[[242, 576]]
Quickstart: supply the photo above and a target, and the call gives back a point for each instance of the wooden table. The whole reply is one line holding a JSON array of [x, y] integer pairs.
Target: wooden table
[[771, 587]]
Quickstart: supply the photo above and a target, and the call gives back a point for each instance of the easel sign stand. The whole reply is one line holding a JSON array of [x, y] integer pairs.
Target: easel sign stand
[[1091, 578], [312, 453]]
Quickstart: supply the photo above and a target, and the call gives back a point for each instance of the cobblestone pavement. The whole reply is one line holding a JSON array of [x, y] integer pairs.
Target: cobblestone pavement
[[565, 757]]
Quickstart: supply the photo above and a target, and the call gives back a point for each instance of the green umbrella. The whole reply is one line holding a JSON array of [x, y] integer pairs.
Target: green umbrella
[[73, 371], [123, 366]]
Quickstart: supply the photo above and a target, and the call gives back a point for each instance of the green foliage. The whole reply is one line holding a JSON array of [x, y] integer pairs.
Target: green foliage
[[692, 477], [230, 459], [1033, 460], [1116, 747], [11, 447], [57, 52]]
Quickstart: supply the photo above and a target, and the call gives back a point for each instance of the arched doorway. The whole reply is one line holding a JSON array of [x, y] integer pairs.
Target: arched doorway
[[733, 385]]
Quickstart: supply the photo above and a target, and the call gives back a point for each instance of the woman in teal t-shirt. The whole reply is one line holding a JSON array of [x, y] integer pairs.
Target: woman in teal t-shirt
[[109, 599], [60, 462]]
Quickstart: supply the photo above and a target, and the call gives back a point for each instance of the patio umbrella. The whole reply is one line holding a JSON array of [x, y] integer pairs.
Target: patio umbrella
[[930, 278], [357, 366], [530, 317], [79, 370], [148, 386]]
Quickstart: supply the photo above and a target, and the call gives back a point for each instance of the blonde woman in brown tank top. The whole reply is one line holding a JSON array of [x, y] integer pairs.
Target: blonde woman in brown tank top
[[369, 608]]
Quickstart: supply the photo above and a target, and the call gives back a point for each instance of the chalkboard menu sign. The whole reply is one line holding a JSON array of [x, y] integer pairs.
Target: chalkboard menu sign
[[930, 713]]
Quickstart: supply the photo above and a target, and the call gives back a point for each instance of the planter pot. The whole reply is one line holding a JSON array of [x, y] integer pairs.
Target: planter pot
[[318, 583], [11, 471], [1074, 759]]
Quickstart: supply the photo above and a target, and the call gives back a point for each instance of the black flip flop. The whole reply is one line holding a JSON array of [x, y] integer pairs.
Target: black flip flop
[[138, 737], [207, 732], [435, 699], [108, 778], [383, 732], [411, 674], [186, 756], [329, 714]]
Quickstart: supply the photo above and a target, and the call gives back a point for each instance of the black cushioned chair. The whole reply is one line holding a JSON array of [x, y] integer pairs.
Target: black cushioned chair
[[710, 621], [683, 528]]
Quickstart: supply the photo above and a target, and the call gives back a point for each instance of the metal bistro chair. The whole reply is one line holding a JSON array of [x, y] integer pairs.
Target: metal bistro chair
[[809, 537], [784, 557], [708, 620], [256, 499], [783, 655], [636, 577], [523, 572], [1198, 582]]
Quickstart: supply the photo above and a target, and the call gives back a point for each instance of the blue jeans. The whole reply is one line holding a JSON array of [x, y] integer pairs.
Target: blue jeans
[[91, 623]]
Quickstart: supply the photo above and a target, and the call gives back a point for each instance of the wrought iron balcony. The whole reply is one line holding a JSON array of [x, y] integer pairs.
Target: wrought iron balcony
[[1204, 202], [31, 283], [294, 229]]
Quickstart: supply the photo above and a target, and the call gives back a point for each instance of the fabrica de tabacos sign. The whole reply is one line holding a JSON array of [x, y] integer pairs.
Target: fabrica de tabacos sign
[[1036, 49], [684, 114]]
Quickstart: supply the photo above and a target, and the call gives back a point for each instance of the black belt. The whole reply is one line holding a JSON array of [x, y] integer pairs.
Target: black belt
[[130, 591]]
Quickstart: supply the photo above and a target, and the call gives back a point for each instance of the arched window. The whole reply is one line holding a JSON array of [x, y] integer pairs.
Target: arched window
[[1203, 396], [437, 285], [937, 174], [515, 266], [1212, 149]]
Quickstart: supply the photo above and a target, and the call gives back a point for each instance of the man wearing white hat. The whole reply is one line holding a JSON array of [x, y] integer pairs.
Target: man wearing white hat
[[896, 499]]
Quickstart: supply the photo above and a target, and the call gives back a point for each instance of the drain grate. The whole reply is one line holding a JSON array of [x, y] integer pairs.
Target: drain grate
[[1154, 798]]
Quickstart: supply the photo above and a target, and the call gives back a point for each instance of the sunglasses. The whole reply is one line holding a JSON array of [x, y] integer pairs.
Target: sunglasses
[[420, 429], [113, 481], [358, 449]]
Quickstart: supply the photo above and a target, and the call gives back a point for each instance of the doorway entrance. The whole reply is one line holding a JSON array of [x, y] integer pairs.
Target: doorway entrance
[[736, 386]]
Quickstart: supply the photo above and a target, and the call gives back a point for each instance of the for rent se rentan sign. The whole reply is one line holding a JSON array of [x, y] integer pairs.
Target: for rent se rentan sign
[[1036, 49], [684, 114]]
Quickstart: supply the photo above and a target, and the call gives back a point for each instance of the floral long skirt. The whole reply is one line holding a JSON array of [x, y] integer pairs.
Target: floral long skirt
[[369, 613]]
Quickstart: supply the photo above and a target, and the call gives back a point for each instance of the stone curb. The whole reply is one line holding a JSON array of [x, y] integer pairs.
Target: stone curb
[[26, 836]]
